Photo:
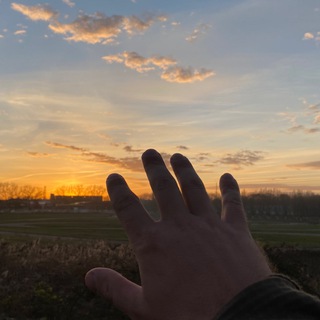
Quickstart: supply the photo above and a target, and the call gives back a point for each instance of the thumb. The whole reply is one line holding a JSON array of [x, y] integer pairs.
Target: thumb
[[124, 294]]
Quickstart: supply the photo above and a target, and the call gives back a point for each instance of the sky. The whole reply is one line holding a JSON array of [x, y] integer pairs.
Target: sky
[[87, 86]]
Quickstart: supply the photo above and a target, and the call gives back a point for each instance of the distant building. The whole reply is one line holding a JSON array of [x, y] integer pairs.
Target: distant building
[[18, 204], [77, 203]]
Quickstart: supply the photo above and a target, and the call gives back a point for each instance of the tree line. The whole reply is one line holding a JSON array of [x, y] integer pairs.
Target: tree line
[[297, 206], [265, 204], [11, 190]]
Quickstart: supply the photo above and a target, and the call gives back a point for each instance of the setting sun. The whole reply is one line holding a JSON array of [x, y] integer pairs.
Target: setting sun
[[87, 86]]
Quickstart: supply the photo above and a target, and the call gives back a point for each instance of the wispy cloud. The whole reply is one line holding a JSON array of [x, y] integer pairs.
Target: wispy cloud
[[296, 128], [131, 149], [312, 36], [69, 3], [35, 13], [182, 148], [308, 36], [38, 154], [186, 75], [139, 63], [20, 32], [99, 28], [302, 128], [242, 158], [63, 146], [314, 110], [170, 71], [311, 130], [310, 114], [306, 165], [130, 163], [201, 29]]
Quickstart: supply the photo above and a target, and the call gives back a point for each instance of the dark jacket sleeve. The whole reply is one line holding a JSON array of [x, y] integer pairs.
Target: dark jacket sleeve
[[275, 298]]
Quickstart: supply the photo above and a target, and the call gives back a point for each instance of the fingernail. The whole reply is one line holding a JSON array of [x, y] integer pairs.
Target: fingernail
[[177, 157], [114, 179], [227, 182], [90, 281], [151, 156]]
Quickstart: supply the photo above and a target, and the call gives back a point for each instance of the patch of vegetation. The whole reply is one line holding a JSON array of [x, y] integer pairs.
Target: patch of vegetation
[[300, 265], [45, 279]]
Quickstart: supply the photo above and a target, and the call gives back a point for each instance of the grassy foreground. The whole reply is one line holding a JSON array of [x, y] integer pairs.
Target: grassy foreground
[[46, 280], [43, 279]]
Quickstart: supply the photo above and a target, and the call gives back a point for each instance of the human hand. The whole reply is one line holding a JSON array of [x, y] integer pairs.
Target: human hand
[[192, 262]]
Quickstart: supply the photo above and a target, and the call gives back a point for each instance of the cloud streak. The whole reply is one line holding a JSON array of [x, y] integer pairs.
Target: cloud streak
[[201, 29], [131, 149], [69, 3], [186, 75], [312, 36], [139, 63], [310, 114], [20, 32], [312, 165], [168, 66], [99, 28], [38, 154], [39, 12], [242, 158], [92, 29], [130, 163]]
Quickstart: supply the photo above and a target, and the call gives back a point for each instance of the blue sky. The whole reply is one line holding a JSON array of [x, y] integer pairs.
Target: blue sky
[[86, 86]]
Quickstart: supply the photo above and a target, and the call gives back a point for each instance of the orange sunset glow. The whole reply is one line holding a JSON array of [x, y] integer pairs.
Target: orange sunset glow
[[87, 86]]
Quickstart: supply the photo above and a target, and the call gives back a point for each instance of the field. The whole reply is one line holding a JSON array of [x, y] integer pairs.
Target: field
[[89, 226], [66, 226], [44, 257], [300, 235]]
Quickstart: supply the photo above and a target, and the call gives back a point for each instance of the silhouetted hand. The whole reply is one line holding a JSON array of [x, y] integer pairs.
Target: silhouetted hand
[[192, 262]]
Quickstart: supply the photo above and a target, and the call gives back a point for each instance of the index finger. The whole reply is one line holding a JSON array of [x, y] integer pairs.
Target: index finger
[[132, 215]]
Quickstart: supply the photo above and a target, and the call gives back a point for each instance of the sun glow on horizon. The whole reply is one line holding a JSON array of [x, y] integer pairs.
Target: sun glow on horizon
[[232, 86]]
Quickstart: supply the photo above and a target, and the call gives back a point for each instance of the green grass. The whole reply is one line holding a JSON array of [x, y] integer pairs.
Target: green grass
[[61, 225], [90, 226], [300, 235]]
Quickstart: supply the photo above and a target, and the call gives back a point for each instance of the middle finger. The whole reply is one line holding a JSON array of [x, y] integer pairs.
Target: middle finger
[[192, 187], [164, 186]]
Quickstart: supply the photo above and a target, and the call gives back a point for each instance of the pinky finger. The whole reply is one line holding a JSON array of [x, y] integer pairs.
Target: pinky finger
[[232, 208]]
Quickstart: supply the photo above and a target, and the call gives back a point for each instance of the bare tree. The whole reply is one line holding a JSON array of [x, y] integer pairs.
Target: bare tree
[[8, 190], [78, 189], [30, 192], [81, 190]]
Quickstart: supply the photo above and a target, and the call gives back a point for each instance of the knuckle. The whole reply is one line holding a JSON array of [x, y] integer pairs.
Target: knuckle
[[124, 202], [232, 197], [196, 183], [163, 183], [149, 242]]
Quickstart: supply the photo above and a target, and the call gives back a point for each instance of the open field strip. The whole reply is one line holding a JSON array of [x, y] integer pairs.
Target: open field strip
[[86, 226], [61, 225]]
